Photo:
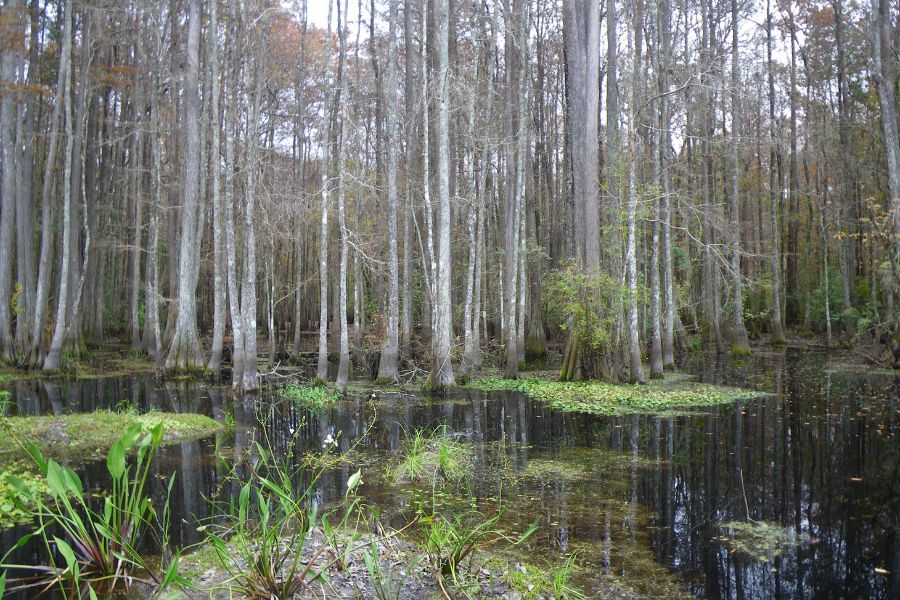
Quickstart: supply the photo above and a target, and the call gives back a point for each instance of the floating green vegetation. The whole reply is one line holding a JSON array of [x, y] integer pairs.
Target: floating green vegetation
[[432, 457], [315, 397], [583, 464], [13, 508], [670, 394], [760, 540], [92, 434]]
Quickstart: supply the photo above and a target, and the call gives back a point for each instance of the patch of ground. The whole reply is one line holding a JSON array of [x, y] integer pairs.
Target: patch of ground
[[90, 435]]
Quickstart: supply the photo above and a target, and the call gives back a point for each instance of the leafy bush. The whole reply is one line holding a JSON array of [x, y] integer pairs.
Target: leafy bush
[[584, 304]]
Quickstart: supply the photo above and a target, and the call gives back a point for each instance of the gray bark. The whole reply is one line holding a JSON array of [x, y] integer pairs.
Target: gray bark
[[634, 344], [442, 368], [741, 344], [184, 353], [885, 76], [215, 352], [53, 360], [8, 110], [777, 322], [343, 373], [387, 368], [322, 367]]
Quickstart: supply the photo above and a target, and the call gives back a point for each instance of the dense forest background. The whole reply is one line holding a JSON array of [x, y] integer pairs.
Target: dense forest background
[[435, 181]]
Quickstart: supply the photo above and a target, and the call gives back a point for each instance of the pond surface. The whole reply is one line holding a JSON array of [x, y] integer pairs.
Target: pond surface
[[639, 498]]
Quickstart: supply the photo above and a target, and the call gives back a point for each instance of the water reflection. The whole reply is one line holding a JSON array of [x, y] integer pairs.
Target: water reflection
[[638, 497]]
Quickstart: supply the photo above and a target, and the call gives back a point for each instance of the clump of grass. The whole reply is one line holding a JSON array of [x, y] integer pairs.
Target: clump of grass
[[432, 457], [315, 397], [598, 397], [537, 581]]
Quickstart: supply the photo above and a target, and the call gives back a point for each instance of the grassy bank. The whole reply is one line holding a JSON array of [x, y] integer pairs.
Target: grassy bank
[[673, 393], [92, 434]]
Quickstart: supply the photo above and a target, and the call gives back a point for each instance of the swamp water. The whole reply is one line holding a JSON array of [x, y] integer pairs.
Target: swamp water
[[640, 499]]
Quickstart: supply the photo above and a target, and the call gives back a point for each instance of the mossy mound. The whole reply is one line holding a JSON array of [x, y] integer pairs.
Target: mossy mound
[[90, 435], [658, 396]]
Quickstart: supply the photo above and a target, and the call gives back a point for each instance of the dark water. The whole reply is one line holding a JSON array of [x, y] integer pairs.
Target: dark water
[[637, 497]]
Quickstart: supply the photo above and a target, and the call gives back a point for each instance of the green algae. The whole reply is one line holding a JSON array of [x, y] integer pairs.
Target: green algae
[[602, 398]]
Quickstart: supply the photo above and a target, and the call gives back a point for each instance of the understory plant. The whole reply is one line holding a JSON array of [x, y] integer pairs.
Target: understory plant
[[94, 552]]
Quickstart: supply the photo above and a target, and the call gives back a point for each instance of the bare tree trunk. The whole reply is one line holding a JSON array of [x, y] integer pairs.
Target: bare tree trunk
[[777, 322], [387, 369], [442, 368], [28, 111], [218, 338], [885, 76], [137, 192], [44, 261], [184, 353], [406, 315], [634, 345], [343, 373], [231, 121], [322, 367], [8, 154], [741, 344], [250, 370], [668, 334], [152, 336], [53, 360]]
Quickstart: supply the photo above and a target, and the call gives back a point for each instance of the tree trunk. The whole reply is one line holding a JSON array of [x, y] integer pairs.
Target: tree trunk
[[885, 76], [184, 353], [53, 360], [634, 344], [387, 368], [322, 367], [8, 154], [741, 344], [442, 368], [218, 338], [777, 322], [343, 373]]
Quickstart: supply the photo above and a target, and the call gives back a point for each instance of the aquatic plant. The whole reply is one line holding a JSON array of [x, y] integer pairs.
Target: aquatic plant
[[432, 456], [604, 398], [98, 551], [760, 540], [315, 397], [451, 539], [262, 551]]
